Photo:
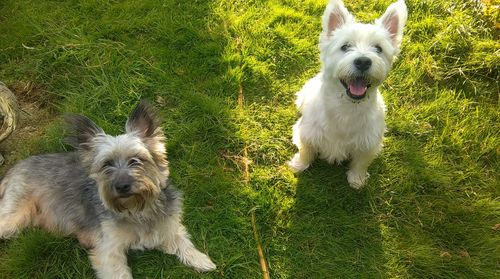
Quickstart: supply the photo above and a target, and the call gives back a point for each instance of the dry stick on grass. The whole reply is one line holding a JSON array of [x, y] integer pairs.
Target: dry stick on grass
[[262, 259], [260, 251], [241, 98]]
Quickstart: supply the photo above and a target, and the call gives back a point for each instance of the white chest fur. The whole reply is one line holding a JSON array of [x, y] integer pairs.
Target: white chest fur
[[334, 125]]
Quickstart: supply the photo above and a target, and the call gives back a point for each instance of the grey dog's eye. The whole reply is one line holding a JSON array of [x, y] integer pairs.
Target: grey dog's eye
[[378, 48], [134, 162], [345, 47], [107, 165]]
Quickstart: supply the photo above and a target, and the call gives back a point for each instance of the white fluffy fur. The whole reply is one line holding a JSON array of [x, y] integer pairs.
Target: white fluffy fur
[[334, 125]]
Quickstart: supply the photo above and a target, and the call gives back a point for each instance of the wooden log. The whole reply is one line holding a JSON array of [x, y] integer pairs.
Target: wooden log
[[9, 112]]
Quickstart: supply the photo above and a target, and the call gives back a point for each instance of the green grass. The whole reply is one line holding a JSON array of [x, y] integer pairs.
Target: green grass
[[432, 200]]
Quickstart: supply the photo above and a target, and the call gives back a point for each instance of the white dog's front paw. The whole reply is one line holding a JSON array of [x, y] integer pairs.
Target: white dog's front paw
[[200, 262], [357, 179], [296, 164]]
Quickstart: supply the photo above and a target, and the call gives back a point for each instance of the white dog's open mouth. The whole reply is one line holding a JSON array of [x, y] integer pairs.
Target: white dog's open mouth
[[356, 88]]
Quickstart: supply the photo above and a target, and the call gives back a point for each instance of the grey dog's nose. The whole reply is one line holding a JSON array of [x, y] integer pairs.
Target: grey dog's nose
[[362, 63], [123, 188], [123, 183]]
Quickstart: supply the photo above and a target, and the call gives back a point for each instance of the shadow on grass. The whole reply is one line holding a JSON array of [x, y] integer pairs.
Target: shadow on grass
[[177, 64], [411, 220], [334, 232], [434, 227]]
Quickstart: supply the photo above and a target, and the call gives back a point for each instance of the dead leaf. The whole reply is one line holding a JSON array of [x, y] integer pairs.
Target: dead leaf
[[445, 254]]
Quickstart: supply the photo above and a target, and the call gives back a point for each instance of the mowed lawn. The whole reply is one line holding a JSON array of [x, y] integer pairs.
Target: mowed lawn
[[223, 74]]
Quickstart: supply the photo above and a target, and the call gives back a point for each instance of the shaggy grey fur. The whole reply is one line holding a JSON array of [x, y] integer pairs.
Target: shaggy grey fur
[[62, 179], [113, 194]]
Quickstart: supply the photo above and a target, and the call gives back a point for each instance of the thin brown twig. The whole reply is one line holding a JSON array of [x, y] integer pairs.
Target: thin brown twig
[[241, 98], [260, 251], [246, 176], [246, 162]]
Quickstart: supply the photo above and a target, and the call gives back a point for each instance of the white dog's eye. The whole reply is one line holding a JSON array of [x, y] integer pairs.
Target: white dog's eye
[[378, 48], [345, 47]]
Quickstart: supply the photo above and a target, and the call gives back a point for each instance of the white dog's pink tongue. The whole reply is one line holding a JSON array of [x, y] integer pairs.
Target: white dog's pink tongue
[[357, 87]]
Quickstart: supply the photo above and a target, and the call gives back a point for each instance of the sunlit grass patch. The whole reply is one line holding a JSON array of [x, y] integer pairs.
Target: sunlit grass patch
[[223, 75]]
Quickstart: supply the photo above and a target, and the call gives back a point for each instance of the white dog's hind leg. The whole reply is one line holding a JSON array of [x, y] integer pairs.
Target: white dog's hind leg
[[302, 159], [358, 168], [177, 242]]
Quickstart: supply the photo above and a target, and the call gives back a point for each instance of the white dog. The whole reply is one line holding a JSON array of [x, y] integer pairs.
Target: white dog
[[342, 109]]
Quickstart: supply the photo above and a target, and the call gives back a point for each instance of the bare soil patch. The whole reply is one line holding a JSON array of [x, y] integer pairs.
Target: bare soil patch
[[35, 113]]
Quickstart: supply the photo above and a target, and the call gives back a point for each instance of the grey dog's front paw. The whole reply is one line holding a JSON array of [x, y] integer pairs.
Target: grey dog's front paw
[[201, 262]]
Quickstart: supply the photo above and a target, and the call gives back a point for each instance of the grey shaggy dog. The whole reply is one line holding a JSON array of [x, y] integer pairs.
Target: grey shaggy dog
[[113, 193]]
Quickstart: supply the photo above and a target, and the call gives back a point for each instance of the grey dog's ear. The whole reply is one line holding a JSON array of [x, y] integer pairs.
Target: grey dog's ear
[[143, 121], [81, 131]]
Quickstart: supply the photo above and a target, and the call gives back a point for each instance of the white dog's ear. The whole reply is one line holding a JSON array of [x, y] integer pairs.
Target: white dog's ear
[[334, 17], [394, 20]]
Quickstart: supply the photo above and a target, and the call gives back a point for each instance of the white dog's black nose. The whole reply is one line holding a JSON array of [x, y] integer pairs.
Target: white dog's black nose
[[362, 63]]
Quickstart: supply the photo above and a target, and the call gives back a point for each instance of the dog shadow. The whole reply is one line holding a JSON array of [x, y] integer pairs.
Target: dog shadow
[[372, 233], [334, 230]]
